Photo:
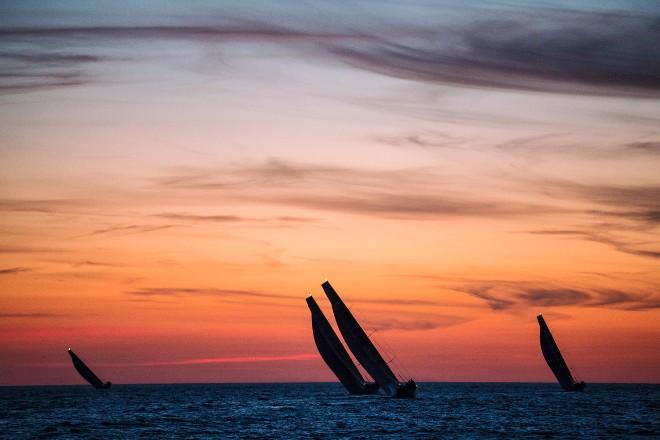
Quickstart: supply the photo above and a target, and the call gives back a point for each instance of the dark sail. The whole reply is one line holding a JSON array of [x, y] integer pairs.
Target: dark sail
[[86, 373], [555, 360], [364, 350], [334, 354]]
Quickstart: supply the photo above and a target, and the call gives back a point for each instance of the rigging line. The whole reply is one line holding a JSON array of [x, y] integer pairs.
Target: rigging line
[[566, 354], [402, 373]]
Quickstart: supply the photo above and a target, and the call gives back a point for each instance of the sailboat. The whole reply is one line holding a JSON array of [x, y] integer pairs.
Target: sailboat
[[555, 360], [334, 354], [365, 351], [86, 373]]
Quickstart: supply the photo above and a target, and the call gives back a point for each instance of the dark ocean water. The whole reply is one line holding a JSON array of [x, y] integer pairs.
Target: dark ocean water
[[324, 411]]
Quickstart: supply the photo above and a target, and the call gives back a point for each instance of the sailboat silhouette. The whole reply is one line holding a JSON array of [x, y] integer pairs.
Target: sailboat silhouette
[[555, 360]]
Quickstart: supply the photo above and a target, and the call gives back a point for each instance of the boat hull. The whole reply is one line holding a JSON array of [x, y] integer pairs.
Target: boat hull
[[407, 390]]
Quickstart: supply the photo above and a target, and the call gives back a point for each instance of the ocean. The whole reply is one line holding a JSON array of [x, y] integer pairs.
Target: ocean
[[325, 411]]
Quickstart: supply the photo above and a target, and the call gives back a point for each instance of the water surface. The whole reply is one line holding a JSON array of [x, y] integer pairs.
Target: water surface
[[324, 411]]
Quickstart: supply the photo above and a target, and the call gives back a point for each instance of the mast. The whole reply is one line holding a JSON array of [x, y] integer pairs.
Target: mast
[[334, 354], [554, 358], [87, 373], [360, 344]]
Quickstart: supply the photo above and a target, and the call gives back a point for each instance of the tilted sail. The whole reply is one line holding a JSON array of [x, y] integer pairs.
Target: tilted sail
[[334, 354], [86, 373], [364, 350], [555, 360]]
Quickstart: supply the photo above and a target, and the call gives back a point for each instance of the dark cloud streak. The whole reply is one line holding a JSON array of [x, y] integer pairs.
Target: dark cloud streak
[[14, 270], [564, 51], [595, 53], [502, 295]]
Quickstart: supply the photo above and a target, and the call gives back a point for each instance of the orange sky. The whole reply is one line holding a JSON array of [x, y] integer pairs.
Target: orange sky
[[170, 197]]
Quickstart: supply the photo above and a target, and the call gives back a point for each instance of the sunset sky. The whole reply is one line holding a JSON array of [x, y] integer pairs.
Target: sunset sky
[[176, 178]]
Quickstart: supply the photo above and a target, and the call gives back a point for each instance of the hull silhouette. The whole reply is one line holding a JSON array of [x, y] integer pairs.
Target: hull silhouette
[[365, 351], [334, 354], [555, 360], [87, 373]]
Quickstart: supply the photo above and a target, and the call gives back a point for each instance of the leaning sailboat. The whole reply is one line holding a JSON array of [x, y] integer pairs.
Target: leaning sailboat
[[87, 373], [365, 351], [555, 360], [334, 354]]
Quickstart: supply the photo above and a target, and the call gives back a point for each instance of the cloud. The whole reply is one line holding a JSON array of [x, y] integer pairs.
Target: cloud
[[227, 31], [506, 294], [44, 206], [94, 263], [29, 315], [14, 270], [438, 321], [202, 218], [650, 147], [188, 291], [541, 49], [556, 297], [426, 140], [397, 193], [34, 70], [483, 292], [397, 302], [559, 52], [130, 229], [46, 65], [229, 218], [624, 217], [602, 236], [9, 249]]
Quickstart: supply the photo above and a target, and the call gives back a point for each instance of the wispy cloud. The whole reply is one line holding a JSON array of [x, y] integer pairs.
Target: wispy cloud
[[601, 234], [46, 64], [130, 229], [507, 294], [397, 302], [545, 49], [230, 218], [42, 205], [438, 321], [191, 291], [550, 51], [398, 193], [624, 217], [560, 297], [14, 270], [649, 147], [30, 315], [9, 249]]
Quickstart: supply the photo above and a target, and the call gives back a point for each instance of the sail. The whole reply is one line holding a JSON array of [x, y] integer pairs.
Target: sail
[[360, 344], [86, 373], [334, 354], [554, 358]]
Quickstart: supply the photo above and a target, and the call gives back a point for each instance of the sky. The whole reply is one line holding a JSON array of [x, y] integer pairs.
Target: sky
[[176, 178]]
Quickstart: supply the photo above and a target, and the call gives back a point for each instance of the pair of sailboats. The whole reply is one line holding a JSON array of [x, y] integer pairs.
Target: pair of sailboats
[[335, 355]]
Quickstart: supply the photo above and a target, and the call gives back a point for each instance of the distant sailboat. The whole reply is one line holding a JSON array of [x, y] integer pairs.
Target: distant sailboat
[[555, 360], [334, 354], [86, 373], [365, 351]]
